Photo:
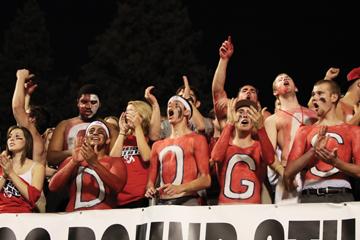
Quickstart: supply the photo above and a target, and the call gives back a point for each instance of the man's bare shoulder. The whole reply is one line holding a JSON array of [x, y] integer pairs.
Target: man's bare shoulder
[[68, 121]]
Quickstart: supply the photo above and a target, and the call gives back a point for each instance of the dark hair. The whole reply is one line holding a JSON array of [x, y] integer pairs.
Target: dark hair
[[192, 88], [88, 89], [42, 117], [105, 123], [28, 151], [334, 87], [256, 89]]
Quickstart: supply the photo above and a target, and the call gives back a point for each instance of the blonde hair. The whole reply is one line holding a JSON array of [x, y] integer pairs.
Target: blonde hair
[[145, 111]]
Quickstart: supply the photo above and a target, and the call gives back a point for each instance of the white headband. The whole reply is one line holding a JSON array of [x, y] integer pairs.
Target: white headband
[[98, 123], [183, 101]]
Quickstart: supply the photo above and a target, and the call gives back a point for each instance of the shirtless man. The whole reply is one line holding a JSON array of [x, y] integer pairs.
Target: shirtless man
[[326, 153], [93, 178], [220, 99], [348, 108], [182, 160], [283, 124], [243, 160], [65, 136]]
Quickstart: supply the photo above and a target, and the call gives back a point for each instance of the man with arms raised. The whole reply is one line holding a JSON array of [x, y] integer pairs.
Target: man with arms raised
[[247, 91], [219, 95]]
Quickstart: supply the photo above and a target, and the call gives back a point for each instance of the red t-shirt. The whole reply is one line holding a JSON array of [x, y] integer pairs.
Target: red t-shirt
[[137, 173]]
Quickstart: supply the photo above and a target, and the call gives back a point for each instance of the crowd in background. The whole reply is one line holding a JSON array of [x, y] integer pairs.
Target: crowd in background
[[239, 153]]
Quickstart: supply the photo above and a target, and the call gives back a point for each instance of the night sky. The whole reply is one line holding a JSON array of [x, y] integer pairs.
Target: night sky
[[302, 40]]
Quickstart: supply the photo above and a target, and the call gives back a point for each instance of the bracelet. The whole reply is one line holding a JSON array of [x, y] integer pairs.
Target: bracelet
[[278, 168], [120, 133]]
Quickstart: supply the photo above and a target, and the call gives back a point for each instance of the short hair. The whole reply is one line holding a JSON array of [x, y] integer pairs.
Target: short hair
[[88, 89], [256, 89], [42, 117], [246, 103], [274, 85], [334, 87]]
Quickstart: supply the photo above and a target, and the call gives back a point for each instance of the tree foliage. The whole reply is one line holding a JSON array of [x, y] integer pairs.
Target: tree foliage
[[148, 43], [26, 45]]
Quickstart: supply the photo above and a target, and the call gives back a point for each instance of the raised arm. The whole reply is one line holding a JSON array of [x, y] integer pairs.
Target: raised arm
[[218, 93], [21, 117], [331, 73], [219, 151], [155, 121], [141, 140], [116, 150], [197, 118]]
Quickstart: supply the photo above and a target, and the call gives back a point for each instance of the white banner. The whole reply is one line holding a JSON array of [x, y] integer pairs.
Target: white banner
[[258, 222]]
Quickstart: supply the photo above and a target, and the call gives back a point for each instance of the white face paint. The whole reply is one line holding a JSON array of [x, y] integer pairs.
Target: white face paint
[[94, 103], [88, 105]]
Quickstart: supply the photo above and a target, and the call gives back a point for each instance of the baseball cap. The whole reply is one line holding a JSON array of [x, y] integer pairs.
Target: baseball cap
[[354, 74], [245, 103]]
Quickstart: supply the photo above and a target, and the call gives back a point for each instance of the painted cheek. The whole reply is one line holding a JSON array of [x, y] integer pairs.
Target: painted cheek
[[179, 112], [94, 109], [282, 90]]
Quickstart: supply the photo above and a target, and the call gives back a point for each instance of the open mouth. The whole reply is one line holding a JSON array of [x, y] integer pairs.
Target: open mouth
[[248, 97], [286, 83], [170, 113], [316, 106], [244, 121]]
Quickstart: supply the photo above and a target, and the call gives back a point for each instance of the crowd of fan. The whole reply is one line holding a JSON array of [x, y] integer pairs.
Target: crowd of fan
[[239, 153]]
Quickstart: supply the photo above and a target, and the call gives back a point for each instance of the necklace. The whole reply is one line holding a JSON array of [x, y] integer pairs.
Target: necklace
[[293, 115]]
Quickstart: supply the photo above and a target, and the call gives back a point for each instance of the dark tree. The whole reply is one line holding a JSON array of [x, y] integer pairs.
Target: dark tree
[[26, 45], [148, 43]]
